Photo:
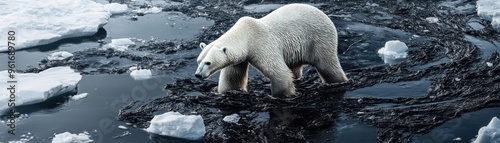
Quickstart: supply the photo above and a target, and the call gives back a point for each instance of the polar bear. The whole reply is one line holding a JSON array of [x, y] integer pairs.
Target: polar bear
[[277, 45]]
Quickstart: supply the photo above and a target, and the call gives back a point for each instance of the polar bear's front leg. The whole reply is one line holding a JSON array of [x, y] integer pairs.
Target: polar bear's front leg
[[233, 78], [280, 75]]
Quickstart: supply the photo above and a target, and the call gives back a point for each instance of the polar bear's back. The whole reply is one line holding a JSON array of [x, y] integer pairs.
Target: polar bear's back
[[299, 28]]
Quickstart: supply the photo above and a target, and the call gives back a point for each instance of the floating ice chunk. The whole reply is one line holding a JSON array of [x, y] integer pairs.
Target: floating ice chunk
[[67, 137], [177, 125], [37, 87], [432, 19], [489, 10], [392, 50], [39, 22], [489, 64], [233, 118], [119, 44], [489, 133], [122, 127], [148, 10], [79, 96], [141, 74], [61, 55]]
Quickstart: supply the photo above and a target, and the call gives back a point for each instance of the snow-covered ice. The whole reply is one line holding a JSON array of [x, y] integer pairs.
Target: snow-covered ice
[[141, 74], [61, 55], [432, 19], [489, 10], [489, 133], [67, 137], [37, 87], [148, 10], [79, 96], [121, 44], [177, 125], [392, 50], [39, 22], [233, 118]]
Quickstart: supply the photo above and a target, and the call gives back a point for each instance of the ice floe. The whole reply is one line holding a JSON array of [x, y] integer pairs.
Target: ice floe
[[67, 137], [37, 87], [489, 133], [177, 125], [141, 74], [39, 22], [233, 118], [489, 10], [393, 50]]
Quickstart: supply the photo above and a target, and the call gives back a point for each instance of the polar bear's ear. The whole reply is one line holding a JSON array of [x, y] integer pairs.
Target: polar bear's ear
[[202, 45]]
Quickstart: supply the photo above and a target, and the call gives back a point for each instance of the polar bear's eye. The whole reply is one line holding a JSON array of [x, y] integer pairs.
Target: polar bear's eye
[[224, 50], [208, 63]]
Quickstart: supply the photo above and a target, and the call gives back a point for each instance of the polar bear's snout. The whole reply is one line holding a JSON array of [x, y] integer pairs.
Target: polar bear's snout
[[202, 72]]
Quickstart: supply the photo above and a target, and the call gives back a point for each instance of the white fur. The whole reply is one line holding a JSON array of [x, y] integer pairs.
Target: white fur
[[277, 45]]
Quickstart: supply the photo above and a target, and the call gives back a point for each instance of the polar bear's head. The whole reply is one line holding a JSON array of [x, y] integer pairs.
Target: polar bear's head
[[213, 58]]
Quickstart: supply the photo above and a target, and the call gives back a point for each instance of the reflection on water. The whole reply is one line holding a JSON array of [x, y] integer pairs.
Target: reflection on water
[[391, 90]]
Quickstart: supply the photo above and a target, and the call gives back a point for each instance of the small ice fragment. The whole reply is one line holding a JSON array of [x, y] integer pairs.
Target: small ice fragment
[[141, 74], [122, 127], [177, 125], [79, 96], [67, 137], [61, 55], [393, 50], [457, 139], [489, 64], [432, 19], [119, 44], [233, 118]]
